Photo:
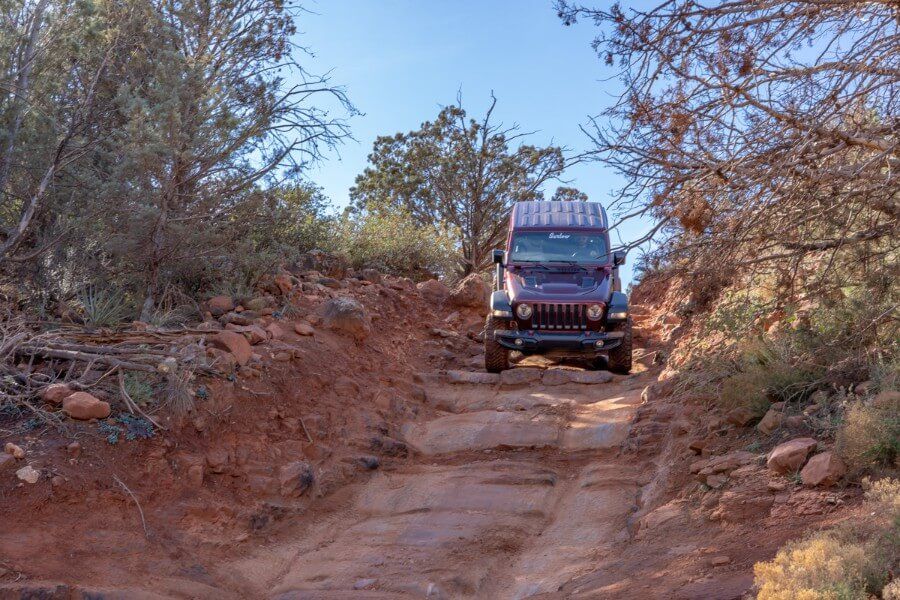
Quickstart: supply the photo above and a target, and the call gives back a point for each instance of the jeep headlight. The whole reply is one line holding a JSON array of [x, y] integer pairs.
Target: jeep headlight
[[523, 311], [619, 315], [595, 312]]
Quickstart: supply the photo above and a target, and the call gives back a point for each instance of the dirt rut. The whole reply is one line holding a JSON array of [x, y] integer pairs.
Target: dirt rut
[[517, 491]]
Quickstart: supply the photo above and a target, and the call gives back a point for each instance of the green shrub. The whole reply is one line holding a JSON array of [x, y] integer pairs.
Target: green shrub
[[394, 243], [104, 307]]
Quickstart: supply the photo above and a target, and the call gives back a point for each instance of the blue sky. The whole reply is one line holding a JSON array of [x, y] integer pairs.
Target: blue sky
[[401, 60]]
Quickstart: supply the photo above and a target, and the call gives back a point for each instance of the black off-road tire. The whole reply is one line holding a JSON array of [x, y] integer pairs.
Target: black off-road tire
[[620, 356], [496, 357]]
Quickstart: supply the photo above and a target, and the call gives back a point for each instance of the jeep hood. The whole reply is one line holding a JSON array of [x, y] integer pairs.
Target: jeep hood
[[562, 285]]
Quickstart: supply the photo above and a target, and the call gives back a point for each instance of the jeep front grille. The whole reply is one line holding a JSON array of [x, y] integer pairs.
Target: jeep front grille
[[559, 316]]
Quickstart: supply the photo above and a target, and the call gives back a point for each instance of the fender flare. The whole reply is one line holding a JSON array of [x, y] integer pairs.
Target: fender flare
[[500, 305]]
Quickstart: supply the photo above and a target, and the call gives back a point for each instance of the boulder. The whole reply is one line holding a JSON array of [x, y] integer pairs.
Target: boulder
[[303, 329], [84, 407], [823, 469], [258, 304], [789, 456], [771, 421], [55, 393], [740, 417], [28, 474], [295, 478], [235, 343], [472, 292], [274, 331], [433, 290], [346, 315], [219, 305]]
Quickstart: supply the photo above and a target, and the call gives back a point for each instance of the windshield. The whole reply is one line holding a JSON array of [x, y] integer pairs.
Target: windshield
[[558, 246]]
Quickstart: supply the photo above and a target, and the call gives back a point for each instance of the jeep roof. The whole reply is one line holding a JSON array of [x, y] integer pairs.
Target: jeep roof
[[559, 214]]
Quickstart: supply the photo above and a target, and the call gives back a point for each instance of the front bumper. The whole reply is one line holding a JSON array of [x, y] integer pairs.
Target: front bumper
[[585, 342]]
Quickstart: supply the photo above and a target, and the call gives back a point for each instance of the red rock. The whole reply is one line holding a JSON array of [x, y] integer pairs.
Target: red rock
[[739, 506], [794, 422], [716, 481], [14, 450], [218, 459], [219, 305], [295, 478], [697, 445], [473, 291], [740, 417], [235, 343], [55, 393], [789, 456], [74, 449], [303, 329], [284, 283], [274, 331], [823, 469], [433, 290], [346, 315], [84, 407], [718, 561], [771, 421]]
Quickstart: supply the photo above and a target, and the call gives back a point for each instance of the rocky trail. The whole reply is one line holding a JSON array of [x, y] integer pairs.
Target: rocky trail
[[515, 493], [365, 456]]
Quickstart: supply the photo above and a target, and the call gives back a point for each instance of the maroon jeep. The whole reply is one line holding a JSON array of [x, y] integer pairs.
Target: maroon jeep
[[557, 288]]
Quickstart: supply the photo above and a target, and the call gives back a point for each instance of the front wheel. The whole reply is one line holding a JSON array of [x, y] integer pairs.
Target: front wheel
[[620, 357], [496, 357]]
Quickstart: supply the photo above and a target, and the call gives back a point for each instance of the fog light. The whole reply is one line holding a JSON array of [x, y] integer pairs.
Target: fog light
[[618, 315], [524, 311], [519, 342], [599, 343], [594, 312]]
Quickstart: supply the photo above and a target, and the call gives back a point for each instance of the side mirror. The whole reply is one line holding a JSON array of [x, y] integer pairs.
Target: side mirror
[[499, 257], [618, 258]]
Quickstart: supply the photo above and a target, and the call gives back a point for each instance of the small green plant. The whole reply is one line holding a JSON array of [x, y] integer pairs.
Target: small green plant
[[103, 307], [111, 432], [136, 428], [138, 388]]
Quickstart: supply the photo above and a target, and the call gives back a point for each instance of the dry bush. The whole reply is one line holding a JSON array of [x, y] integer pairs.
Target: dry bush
[[870, 435], [847, 563]]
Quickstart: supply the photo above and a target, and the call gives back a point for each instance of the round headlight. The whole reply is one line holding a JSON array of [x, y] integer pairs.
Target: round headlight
[[594, 312], [524, 311]]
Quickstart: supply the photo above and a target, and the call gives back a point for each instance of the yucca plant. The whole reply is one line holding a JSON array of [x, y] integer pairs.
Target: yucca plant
[[103, 307]]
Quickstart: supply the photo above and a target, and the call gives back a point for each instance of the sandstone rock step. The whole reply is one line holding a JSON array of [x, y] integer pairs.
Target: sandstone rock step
[[487, 429], [528, 376]]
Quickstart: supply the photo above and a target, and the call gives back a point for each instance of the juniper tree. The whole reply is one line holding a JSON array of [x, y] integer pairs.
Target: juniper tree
[[458, 174]]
